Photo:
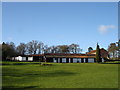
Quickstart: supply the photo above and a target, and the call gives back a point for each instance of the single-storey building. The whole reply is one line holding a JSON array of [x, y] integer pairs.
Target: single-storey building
[[89, 57], [35, 57], [70, 58]]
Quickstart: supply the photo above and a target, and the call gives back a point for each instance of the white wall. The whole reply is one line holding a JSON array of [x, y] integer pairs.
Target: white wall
[[102, 60], [74, 60], [23, 58], [58, 60], [12, 58], [84, 60], [79, 59], [69, 60], [19, 58], [64, 60], [91, 60], [16, 58], [54, 60], [30, 58]]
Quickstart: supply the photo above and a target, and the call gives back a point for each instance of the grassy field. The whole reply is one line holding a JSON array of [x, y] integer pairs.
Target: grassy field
[[59, 75]]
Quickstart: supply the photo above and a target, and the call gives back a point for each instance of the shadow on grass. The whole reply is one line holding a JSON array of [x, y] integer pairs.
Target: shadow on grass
[[32, 77], [41, 74]]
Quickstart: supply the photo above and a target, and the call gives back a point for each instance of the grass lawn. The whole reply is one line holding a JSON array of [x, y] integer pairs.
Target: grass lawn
[[59, 75]]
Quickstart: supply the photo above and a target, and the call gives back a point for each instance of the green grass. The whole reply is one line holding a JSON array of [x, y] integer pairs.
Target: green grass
[[66, 75]]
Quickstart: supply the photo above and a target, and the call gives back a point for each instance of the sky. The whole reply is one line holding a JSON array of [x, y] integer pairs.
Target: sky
[[61, 23]]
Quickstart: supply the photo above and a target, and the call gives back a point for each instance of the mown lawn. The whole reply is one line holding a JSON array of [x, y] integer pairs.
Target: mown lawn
[[59, 75]]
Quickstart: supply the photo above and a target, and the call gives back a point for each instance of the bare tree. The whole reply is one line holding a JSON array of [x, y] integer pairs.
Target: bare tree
[[11, 45], [74, 48], [63, 48], [40, 47], [47, 49], [21, 49], [53, 49], [32, 47], [35, 46]]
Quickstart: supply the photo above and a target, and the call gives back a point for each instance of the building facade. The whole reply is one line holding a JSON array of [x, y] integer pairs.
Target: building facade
[[89, 57]]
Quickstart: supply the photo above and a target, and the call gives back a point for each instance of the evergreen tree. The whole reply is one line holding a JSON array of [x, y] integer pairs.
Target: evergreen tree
[[98, 57], [90, 49], [8, 50]]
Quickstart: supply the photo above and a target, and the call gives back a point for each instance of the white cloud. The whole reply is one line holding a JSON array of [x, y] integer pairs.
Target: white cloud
[[103, 29]]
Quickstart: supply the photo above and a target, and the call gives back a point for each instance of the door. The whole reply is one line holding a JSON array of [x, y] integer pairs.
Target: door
[[71, 60], [67, 60], [82, 60]]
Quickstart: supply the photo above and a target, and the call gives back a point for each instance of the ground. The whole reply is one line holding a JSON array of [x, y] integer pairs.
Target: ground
[[59, 75]]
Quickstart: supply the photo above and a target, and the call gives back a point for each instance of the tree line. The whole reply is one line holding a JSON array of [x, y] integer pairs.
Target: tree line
[[114, 50], [9, 49]]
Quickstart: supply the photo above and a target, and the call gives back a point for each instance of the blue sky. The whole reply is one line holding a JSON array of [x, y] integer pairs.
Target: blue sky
[[61, 23]]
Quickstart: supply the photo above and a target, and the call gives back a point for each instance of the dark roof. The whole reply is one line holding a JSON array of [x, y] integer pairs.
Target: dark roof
[[36, 55], [62, 55], [22, 55], [31, 55]]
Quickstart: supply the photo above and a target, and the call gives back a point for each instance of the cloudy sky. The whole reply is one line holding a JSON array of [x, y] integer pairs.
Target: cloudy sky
[[61, 23]]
